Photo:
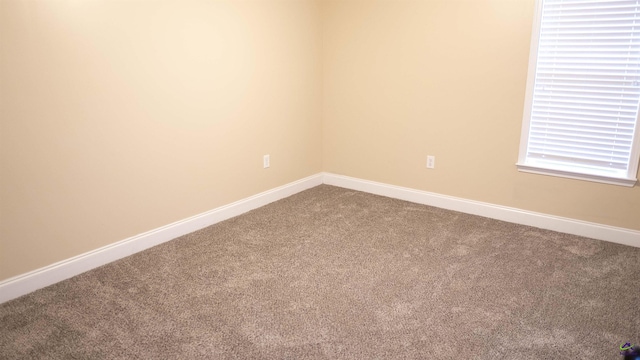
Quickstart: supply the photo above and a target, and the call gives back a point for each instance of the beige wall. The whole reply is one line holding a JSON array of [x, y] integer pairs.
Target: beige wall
[[403, 79], [118, 117]]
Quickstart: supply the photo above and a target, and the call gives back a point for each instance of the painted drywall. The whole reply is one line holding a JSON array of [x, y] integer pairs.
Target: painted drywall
[[409, 78], [118, 117]]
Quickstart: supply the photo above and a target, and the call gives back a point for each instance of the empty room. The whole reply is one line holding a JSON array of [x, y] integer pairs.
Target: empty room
[[319, 179]]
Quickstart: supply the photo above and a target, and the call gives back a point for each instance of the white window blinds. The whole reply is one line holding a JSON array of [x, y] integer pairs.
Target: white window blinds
[[582, 113]]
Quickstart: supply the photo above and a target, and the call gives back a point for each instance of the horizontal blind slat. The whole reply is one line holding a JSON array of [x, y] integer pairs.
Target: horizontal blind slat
[[628, 104], [581, 145], [554, 82], [551, 137], [586, 115]]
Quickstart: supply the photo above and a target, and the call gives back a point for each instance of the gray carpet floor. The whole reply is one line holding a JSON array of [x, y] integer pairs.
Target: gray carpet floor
[[331, 273]]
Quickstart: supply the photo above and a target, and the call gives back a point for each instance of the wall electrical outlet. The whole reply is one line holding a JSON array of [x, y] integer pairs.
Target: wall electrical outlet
[[266, 161], [431, 162]]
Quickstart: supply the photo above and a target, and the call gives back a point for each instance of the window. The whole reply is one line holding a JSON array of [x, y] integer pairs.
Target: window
[[583, 90]]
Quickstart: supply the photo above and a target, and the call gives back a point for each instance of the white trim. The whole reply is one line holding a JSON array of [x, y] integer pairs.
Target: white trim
[[48, 275], [531, 77], [529, 167], [573, 175], [566, 225]]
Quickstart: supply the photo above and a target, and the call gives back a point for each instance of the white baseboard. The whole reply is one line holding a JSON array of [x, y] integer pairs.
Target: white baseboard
[[37, 279], [504, 213]]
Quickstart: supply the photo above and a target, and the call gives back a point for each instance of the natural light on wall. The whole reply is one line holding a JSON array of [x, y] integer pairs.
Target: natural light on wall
[[581, 111]]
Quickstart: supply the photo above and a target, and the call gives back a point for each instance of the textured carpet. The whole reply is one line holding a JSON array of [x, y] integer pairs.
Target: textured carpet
[[332, 273]]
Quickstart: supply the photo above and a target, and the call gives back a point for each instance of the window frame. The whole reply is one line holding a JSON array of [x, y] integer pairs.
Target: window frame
[[522, 165]]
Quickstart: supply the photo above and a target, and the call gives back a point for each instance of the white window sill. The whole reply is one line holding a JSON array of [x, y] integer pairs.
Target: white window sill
[[630, 182]]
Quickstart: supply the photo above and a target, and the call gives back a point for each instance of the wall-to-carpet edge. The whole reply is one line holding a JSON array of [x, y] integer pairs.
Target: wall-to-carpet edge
[[34, 280], [556, 223], [48, 275]]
